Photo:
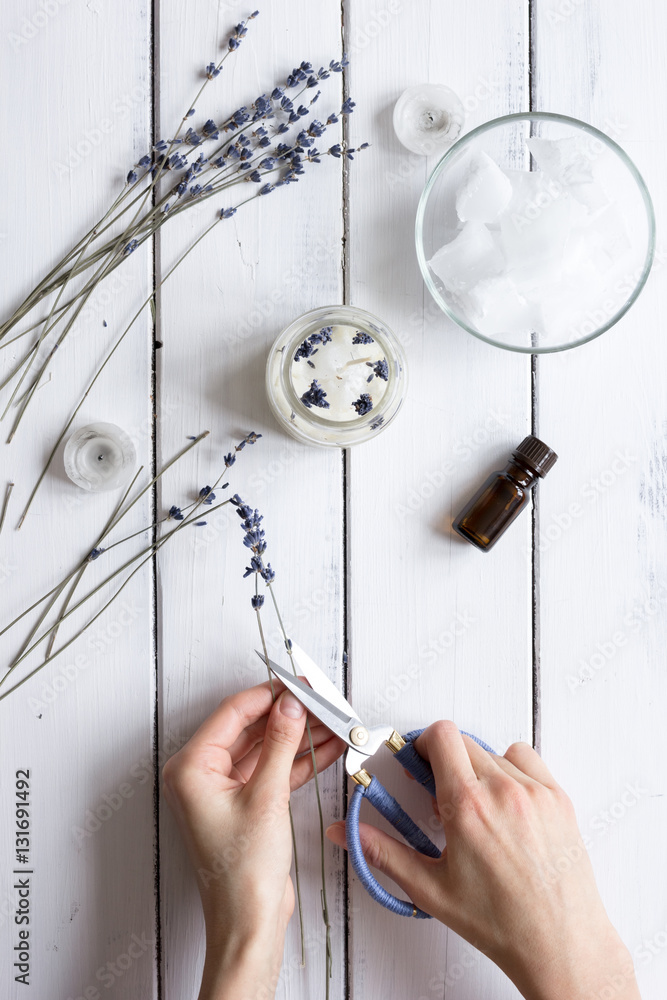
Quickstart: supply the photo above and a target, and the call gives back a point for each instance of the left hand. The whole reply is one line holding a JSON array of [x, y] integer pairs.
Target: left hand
[[229, 788]]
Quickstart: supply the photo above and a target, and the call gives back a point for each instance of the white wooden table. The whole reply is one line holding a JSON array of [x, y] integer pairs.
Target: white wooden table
[[557, 636]]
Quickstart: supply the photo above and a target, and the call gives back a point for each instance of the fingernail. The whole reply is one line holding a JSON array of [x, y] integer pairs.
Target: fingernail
[[291, 706], [336, 833]]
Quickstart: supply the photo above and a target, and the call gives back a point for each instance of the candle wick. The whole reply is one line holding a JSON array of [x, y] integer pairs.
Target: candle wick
[[355, 361]]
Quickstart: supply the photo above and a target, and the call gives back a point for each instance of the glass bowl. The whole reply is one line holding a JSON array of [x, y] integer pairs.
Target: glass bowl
[[535, 232], [335, 376]]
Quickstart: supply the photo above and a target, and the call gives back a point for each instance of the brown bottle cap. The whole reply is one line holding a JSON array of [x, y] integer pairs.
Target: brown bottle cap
[[536, 454]]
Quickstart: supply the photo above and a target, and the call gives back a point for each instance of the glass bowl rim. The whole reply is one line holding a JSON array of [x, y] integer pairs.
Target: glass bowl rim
[[535, 116]]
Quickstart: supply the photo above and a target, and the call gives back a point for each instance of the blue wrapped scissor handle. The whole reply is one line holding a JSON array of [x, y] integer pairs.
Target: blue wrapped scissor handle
[[388, 807]]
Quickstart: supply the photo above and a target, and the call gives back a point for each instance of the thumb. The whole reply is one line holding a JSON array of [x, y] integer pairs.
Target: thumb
[[406, 867], [284, 729]]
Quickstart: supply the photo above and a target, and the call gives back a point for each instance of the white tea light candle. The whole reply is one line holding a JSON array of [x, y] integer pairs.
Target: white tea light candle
[[336, 376], [428, 118], [99, 457]]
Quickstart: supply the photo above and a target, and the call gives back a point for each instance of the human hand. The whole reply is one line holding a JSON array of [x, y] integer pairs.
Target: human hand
[[515, 879], [229, 789]]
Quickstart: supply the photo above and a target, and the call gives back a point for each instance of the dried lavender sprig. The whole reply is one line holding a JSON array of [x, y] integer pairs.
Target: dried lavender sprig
[[322, 74], [77, 574], [206, 497], [48, 325], [45, 289], [156, 216], [255, 540], [233, 44], [325, 907], [5, 504], [236, 36], [41, 371], [113, 251], [31, 300], [154, 547], [257, 605], [113, 350], [83, 296], [292, 169], [151, 551], [116, 519]]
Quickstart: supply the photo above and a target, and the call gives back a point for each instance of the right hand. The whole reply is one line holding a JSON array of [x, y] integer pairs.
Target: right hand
[[515, 879]]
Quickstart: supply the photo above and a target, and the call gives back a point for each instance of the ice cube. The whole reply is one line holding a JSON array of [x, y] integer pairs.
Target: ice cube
[[485, 192], [608, 238], [564, 310], [472, 255], [583, 264], [535, 227], [496, 306], [569, 162]]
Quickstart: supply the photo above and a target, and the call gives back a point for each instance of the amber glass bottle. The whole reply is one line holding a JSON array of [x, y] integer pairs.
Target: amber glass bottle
[[504, 494]]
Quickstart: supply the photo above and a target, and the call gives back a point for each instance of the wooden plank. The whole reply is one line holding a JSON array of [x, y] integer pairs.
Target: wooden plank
[[77, 78], [220, 313], [436, 628], [603, 570]]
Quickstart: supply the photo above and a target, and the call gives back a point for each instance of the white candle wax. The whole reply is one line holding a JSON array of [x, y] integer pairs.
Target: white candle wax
[[99, 457], [329, 367]]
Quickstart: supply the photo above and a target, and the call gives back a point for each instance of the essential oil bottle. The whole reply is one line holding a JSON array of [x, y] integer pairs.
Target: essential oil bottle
[[504, 494]]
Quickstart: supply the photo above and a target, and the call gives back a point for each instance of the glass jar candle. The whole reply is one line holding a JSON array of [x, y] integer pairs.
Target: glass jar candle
[[336, 376], [99, 457]]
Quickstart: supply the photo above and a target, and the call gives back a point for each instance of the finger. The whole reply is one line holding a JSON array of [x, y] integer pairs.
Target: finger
[[325, 755], [483, 762], [401, 863], [441, 744], [244, 767], [245, 750], [529, 762], [234, 714], [254, 732], [284, 729], [502, 764]]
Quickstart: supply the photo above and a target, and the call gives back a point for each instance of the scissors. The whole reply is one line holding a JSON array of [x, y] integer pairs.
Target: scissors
[[326, 703]]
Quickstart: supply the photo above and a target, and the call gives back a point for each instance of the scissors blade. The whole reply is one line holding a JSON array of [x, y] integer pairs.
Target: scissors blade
[[338, 722], [319, 681]]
